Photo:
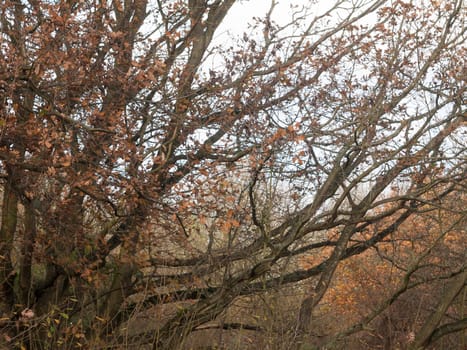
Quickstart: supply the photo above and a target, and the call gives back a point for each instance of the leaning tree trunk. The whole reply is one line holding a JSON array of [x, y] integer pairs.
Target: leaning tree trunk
[[425, 334]]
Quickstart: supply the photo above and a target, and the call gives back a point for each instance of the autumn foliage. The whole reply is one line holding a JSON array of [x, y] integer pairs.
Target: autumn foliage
[[403, 279], [160, 174]]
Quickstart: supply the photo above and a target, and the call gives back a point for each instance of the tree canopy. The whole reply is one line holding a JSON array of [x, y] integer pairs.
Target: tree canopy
[[148, 159]]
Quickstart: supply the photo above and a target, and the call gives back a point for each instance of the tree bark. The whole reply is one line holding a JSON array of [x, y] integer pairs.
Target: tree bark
[[425, 334], [25, 278], [7, 232]]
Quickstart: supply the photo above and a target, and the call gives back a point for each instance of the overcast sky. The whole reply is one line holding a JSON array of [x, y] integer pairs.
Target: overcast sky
[[243, 11]]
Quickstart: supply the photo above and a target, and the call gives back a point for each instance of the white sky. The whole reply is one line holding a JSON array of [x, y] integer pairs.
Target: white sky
[[243, 11]]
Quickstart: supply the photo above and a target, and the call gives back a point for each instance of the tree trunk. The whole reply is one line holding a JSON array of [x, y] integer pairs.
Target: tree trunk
[[424, 335], [7, 231], [25, 278]]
